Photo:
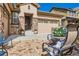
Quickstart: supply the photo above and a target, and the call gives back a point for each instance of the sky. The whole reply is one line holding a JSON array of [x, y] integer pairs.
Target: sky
[[47, 6]]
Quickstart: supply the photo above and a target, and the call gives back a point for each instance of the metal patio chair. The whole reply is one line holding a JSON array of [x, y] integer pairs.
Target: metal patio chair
[[53, 40], [3, 51], [68, 43], [5, 40]]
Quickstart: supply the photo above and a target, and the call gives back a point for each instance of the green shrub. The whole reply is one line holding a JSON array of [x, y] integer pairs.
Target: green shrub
[[59, 32]]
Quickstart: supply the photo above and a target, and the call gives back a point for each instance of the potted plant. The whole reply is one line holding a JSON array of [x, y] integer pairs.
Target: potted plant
[[21, 31], [35, 31]]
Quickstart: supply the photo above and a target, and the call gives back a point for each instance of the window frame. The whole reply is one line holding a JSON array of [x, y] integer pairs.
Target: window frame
[[72, 13], [13, 17]]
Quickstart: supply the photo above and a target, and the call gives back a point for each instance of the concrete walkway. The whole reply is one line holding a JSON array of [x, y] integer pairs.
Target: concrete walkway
[[30, 35]]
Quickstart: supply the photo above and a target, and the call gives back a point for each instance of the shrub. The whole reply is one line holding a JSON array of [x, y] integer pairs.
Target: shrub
[[59, 32]]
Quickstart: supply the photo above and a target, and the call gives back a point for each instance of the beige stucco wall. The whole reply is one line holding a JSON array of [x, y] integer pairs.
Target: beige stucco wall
[[22, 22], [24, 9], [40, 27], [14, 29], [0, 18], [34, 24], [4, 19], [59, 12]]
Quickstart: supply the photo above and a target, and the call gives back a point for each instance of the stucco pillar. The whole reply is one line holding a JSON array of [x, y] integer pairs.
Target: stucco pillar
[[34, 25], [22, 22], [1, 27], [60, 22]]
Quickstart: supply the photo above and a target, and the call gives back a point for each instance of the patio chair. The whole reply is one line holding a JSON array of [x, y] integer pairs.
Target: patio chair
[[3, 51], [5, 40], [52, 39], [69, 45], [66, 47]]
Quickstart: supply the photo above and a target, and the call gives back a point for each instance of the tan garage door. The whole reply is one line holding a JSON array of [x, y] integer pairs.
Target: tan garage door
[[46, 26]]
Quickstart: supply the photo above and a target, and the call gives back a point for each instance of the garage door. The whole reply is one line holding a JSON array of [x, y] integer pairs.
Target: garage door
[[44, 26]]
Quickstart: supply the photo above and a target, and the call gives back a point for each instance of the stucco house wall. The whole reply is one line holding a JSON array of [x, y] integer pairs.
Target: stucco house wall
[[0, 19], [60, 12], [36, 26], [6, 27], [27, 9], [4, 22], [42, 21]]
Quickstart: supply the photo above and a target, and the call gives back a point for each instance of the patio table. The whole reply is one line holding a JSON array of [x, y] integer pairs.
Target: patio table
[[3, 51], [1, 41]]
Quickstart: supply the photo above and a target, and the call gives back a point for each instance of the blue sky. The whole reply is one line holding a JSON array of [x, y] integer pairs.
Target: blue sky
[[47, 6]]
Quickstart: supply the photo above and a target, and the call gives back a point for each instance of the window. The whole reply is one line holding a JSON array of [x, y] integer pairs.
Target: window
[[53, 21], [45, 21], [40, 21], [15, 19], [72, 13], [48, 21], [14, 5]]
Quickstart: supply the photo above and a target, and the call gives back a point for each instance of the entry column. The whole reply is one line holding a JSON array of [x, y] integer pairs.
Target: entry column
[[1, 27], [35, 25]]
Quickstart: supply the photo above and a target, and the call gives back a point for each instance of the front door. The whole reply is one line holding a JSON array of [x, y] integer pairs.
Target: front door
[[28, 22]]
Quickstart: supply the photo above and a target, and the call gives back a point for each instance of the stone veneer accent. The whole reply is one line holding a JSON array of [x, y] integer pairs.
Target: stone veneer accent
[[1, 19]]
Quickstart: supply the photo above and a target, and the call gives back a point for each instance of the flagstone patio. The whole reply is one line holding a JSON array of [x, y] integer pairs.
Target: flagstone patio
[[26, 48], [29, 48]]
